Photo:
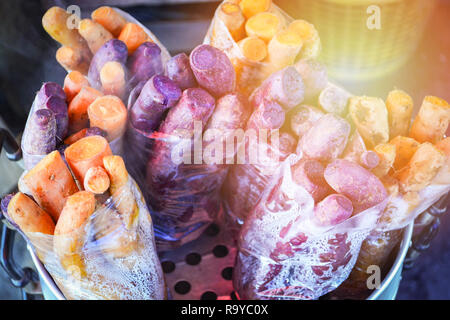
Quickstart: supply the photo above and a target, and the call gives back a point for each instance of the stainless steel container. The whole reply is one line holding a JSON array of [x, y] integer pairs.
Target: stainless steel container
[[202, 268]]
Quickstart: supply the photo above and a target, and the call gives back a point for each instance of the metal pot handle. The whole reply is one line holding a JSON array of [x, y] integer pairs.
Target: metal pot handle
[[12, 148], [426, 228]]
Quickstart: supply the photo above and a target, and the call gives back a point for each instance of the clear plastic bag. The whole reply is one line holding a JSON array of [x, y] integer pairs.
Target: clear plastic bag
[[284, 254], [107, 257], [250, 74]]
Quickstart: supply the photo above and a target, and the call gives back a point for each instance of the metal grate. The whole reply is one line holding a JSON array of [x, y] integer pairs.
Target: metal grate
[[202, 269]]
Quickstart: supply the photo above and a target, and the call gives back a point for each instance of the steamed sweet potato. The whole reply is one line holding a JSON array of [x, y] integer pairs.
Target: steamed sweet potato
[[405, 148], [285, 87], [110, 19], [421, 169], [233, 18], [213, 70], [78, 107], [252, 7], [263, 25], [86, 132], [283, 49], [400, 107], [28, 216], [39, 137], [371, 119], [443, 176], [387, 154], [158, 95], [361, 186], [94, 34], [113, 79], [72, 60], [309, 174], [303, 118], [333, 210], [113, 50], [86, 153], [178, 69], [432, 121], [69, 234], [51, 183], [73, 83], [96, 180], [144, 63], [120, 190], [133, 36], [327, 139]]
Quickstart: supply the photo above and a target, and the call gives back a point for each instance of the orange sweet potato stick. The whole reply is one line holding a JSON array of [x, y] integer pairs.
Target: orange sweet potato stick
[[252, 7], [133, 36], [109, 114], [50, 183], [263, 25], [110, 19], [253, 48], [78, 117], [96, 180], [71, 59], [73, 83], [85, 154], [94, 34], [29, 216], [234, 20]]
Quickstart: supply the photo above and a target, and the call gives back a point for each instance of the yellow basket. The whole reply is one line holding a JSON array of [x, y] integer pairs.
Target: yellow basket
[[351, 50]]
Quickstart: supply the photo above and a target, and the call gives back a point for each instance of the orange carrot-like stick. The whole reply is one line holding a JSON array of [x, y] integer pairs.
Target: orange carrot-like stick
[[73, 83], [85, 154], [133, 36], [50, 182], [109, 114], [96, 180], [112, 77], [110, 19], [253, 48], [78, 117], [94, 34], [29, 216], [252, 7], [71, 59]]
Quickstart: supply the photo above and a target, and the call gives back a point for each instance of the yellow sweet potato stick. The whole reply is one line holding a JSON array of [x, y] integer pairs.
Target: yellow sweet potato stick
[[386, 152], [69, 234], [400, 107], [29, 216], [120, 189], [421, 169], [231, 15], [432, 121], [112, 77], [334, 99], [94, 34], [443, 177], [51, 183], [405, 148], [311, 41], [71, 59], [253, 48], [110, 19], [370, 118], [284, 48], [263, 25], [252, 7], [55, 22]]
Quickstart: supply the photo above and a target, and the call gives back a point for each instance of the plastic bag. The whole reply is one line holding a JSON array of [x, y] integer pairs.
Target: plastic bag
[[284, 254], [250, 74], [107, 258]]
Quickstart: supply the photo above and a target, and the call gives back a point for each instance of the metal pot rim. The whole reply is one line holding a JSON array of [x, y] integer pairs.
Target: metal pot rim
[[396, 267]]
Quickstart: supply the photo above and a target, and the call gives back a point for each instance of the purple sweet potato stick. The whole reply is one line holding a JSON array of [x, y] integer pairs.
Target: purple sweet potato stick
[[179, 70], [213, 70], [158, 94], [144, 63]]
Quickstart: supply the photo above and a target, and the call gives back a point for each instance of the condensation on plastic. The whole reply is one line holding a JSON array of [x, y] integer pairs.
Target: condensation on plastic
[[98, 272], [251, 74], [284, 254]]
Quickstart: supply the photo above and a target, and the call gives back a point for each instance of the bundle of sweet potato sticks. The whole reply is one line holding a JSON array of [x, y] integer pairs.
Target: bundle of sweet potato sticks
[[337, 168]]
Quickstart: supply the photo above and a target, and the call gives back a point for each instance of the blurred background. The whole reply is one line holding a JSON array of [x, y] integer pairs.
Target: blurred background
[[410, 51]]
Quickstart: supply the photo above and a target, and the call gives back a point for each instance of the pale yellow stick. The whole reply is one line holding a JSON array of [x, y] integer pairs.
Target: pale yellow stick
[[400, 107], [386, 153], [263, 25], [405, 148], [253, 48], [283, 49], [234, 20], [94, 34], [252, 7], [311, 41]]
